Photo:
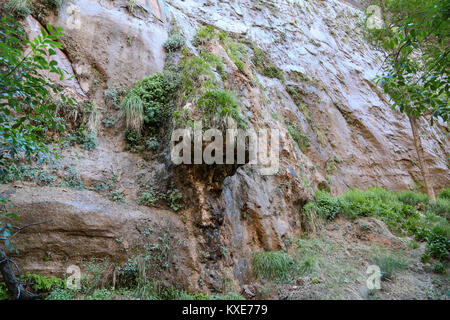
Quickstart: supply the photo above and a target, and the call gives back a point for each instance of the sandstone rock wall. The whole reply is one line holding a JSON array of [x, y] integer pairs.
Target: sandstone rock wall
[[357, 140]]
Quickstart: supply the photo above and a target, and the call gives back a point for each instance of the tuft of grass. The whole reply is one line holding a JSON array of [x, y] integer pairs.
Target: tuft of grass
[[133, 110], [439, 268], [20, 8], [413, 245], [228, 296], [389, 264], [440, 207], [412, 198], [273, 265], [444, 194]]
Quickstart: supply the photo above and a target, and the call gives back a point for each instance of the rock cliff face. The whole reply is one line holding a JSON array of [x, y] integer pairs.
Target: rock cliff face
[[355, 138]]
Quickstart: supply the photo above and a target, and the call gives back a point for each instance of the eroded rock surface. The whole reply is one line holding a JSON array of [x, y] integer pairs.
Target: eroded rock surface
[[357, 140]]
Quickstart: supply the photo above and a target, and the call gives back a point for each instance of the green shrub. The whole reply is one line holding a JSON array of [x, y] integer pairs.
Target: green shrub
[[150, 102], [109, 123], [228, 296], [197, 73], [101, 294], [273, 72], [174, 43], [41, 284], [273, 265], [215, 62], [236, 52], [376, 202], [152, 143], [61, 294], [4, 294], [438, 245], [114, 97], [133, 137], [85, 139], [25, 172], [325, 206], [218, 104]]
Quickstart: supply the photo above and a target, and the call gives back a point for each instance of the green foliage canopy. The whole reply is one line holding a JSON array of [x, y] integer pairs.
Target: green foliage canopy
[[26, 103], [415, 39]]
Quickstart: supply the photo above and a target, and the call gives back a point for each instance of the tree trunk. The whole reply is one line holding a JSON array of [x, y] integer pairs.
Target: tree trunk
[[420, 154], [17, 289]]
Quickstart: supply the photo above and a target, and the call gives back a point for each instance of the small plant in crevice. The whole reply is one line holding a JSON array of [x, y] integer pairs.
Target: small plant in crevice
[[83, 119], [265, 66], [86, 140], [113, 97], [117, 196], [149, 197], [110, 122], [175, 41], [204, 35], [54, 4], [107, 186], [174, 198], [218, 104], [297, 134], [72, 179]]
